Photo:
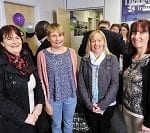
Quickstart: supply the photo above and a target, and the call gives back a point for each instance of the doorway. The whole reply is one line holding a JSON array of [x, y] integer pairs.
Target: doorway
[[84, 20]]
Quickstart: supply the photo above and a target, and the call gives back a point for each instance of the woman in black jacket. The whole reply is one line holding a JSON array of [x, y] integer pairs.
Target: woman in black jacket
[[136, 79], [21, 95]]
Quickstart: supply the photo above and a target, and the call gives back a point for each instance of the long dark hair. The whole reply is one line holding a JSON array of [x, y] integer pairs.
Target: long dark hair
[[125, 25]]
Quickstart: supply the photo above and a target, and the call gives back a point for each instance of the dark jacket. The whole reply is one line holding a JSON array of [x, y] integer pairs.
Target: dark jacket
[[114, 41], [26, 47], [108, 81], [14, 100], [146, 94], [45, 44]]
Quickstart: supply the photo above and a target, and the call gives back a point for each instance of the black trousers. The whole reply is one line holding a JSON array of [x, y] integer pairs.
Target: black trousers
[[100, 123]]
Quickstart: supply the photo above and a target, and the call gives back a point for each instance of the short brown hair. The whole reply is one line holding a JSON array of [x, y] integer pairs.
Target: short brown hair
[[54, 27], [104, 22]]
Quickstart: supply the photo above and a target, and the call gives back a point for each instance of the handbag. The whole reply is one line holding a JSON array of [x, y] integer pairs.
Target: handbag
[[80, 123], [79, 120], [43, 123]]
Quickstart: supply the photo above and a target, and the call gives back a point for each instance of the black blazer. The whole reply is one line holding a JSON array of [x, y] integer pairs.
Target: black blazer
[[14, 100], [45, 44], [146, 94]]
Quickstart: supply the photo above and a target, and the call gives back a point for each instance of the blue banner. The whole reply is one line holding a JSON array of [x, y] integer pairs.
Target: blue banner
[[135, 9]]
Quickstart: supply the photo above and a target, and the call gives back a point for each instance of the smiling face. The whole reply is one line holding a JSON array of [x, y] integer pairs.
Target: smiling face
[[140, 36], [140, 39], [56, 39], [12, 43], [97, 43], [55, 35]]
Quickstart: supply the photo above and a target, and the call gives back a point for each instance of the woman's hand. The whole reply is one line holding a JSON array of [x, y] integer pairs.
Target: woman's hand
[[96, 109], [145, 129], [30, 119], [33, 117], [48, 108], [37, 110]]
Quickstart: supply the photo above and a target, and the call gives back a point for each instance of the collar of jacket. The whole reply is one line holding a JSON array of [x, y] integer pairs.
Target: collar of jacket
[[8, 67], [87, 59]]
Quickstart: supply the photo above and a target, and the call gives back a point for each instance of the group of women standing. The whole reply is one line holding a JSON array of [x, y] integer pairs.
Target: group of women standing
[[23, 94]]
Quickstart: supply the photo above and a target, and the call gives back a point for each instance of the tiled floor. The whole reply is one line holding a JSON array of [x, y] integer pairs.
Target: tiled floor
[[118, 125]]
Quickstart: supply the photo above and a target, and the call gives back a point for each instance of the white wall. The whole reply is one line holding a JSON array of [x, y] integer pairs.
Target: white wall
[[112, 8], [2, 13], [47, 9], [82, 4], [23, 2], [43, 8], [112, 11], [75, 44]]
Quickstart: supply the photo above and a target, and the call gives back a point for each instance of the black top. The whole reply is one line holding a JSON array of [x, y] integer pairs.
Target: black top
[[25, 46], [14, 99], [146, 94]]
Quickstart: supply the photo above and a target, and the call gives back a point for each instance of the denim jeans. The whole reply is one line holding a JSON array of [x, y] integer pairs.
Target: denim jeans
[[63, 111]]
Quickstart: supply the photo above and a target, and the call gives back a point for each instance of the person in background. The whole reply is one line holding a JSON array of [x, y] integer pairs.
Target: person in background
[[115, 28], [124, 31], [98, 81], [136, 79], [21, 94], [41, 32], [104, 24], [57, 66]]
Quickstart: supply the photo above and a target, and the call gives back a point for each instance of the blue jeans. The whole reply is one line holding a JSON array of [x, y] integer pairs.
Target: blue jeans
[[63, 111]]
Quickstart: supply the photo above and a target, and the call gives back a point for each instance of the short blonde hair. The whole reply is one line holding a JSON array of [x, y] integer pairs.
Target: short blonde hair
[[88, 47], [54, 27]]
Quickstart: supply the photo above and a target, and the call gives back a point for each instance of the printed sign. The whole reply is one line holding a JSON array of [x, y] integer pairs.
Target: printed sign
[[135, 9]]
